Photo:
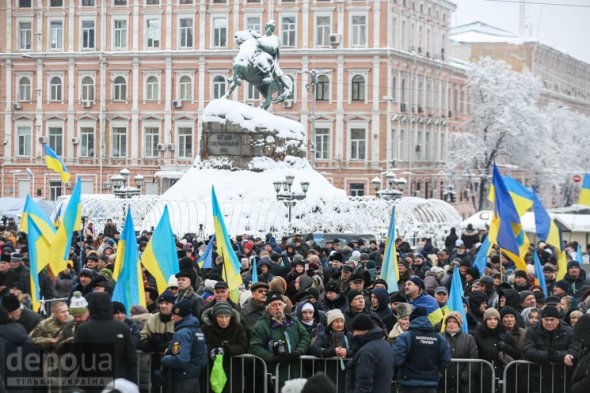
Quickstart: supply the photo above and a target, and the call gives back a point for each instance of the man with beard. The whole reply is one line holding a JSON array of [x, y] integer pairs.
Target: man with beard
[[157, 332]]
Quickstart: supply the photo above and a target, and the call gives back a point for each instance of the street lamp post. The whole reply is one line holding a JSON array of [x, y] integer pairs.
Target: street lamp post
[[288, 196], [313, 87], [395, 185], [120, 187]]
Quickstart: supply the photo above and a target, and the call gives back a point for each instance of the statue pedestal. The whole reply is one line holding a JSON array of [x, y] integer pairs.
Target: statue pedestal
[[238, 133]]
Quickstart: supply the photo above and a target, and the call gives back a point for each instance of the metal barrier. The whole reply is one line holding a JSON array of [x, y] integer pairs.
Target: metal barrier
[[538, 378], [247, 373], [307, 366], [453, 380]]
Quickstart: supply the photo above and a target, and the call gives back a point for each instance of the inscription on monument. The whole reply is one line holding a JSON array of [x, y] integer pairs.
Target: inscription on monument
[[225, 144]]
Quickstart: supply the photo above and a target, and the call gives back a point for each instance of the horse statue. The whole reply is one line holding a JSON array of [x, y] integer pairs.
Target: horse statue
[[257, 63]]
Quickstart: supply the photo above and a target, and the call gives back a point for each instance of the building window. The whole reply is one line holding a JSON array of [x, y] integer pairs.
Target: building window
[[322, 143], [323, 88], [219, 32], [24, 141], [24, 89], [56, 3], [288, 31], [186, 33], [54, 189], [323, 29], [120, 2], [186, 1], [359, 31], [88, 3], [87, 34], [358, 88], [357, 189], [219, 86], [357, 144], [56, 140], [185, 142], [119, 142], [253, 93], [120, 39], [119, 89], [151, 140], [87, 142], [253, 23], [394, 89], [152, 89], [56, 35], [185, 86], [153, 33], [24, 3], [25, 33], [87, 89], [55, 89], [152, 2]]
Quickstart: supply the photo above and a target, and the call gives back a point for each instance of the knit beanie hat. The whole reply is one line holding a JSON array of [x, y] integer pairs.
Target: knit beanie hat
[[352, 294], [418, 281], [333, 315], [11, 302], [563, 285], [491, 312], [78, 304], [319, 383], [550, 312], [456, 316], [222, 308], [362, 322]]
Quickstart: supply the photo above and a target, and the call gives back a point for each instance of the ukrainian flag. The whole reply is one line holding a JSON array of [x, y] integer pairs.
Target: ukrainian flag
[[231, 265], [584, 197], [481, 259], [129, 288], [506, 229], [35, 239], [254, 271], [206, 260], [33, 214], [549, 232], [539, 276], [160, 258], [71, 221], [53, 162], [389, 269], [455, 302], [521, 195]]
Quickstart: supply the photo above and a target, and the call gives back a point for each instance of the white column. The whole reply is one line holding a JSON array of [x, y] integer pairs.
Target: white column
[[305, 24], [377, 24], [8, 31], [339, 108], [8, 107], [38, 37], [375, 123], [202, 22], [38, 91], [169, 25], [70, 130], [167, 106], [135, 134], [340, 16], [202, 82], [135, 44], [71, 26]]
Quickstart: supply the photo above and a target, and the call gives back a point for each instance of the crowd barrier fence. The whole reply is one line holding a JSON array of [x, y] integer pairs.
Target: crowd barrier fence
[[522, 376]]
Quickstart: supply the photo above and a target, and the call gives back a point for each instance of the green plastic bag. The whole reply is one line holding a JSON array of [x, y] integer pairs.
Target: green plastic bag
[[218, 377]]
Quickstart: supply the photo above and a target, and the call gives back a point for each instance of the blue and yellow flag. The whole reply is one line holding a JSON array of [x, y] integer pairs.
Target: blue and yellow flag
[[231, 264], [481, 259], [129, 288], [539, 276], [506, 229], [206, 260], [57, 218], [389, 269], [53, 162], [520, 194], [548, 231], [33, 214], [160, 258], [579, 254], [71, 221], [455, 302], [254, 271], [584, 197], [34, 237]]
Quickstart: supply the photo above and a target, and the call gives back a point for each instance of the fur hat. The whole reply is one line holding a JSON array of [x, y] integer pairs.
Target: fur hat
[[404, 310], [549, 312]]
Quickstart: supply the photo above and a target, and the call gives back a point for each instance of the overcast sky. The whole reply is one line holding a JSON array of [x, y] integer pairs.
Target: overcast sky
[[564, 28]]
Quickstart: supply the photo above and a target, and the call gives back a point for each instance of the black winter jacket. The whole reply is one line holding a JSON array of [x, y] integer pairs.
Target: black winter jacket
[[371, 368]]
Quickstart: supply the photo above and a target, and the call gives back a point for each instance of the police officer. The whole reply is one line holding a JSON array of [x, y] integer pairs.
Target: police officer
[[186, 355]]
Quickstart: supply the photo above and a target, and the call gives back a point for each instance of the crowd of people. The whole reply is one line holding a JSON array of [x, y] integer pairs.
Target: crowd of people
[[327, 301]]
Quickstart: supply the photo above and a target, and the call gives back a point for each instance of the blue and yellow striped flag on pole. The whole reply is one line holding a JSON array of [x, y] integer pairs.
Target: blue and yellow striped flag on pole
[[389, 269], [53, 162], [584, 197], [34, 237]]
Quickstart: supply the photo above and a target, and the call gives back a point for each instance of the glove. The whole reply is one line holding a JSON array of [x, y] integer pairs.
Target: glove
[[501, 345], [281, 359], [553, 357], [294, 356], [215, 352]]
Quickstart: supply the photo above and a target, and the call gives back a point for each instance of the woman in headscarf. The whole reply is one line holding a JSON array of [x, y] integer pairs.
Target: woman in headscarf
[[463, 346]]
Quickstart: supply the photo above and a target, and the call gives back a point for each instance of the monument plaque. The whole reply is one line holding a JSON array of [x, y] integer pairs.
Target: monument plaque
[[225, 144]]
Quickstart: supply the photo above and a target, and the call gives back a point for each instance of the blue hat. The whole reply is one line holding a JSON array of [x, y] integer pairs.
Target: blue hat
[[183, 308], [573, 264], [418, 281], [167, 296]]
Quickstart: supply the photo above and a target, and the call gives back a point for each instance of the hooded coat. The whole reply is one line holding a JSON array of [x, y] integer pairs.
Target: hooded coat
[[383, 310], [462, 346], [102, 335], [13, 338], [316, 327], [580, 382]]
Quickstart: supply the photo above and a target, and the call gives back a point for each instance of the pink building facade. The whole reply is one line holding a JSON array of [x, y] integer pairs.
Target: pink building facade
[[112, 84]]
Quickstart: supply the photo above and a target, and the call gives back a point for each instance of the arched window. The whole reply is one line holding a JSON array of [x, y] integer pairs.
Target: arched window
[[358, 88], [323, 88], [24, 89], [120, 89], [152, 88], [55, 89], [87, 89], [219, 86], [185, 87]]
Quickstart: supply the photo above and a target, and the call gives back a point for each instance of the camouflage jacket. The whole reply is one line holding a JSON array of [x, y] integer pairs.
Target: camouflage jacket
[[46, 330]]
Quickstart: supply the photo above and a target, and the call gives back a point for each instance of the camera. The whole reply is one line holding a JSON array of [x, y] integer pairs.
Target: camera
[[279, 348]]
